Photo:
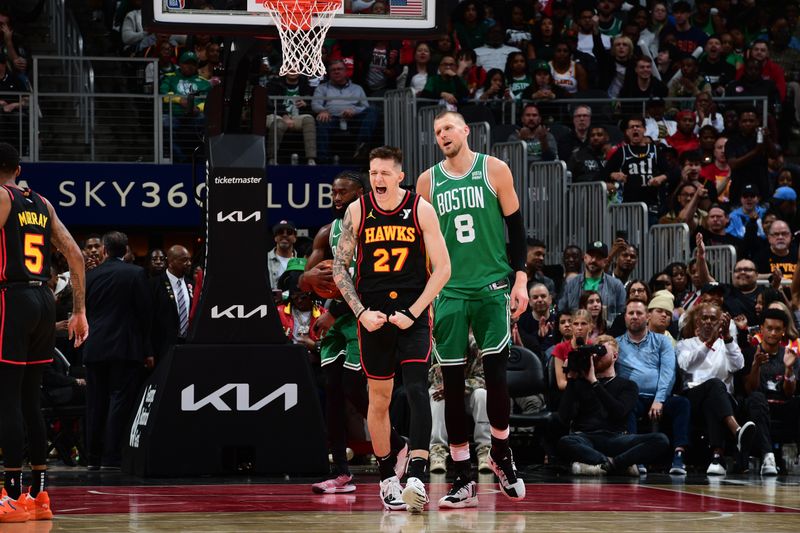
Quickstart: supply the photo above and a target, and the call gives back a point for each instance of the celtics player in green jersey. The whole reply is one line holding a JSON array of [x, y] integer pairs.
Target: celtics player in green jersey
[[474, 198], [339, 352]]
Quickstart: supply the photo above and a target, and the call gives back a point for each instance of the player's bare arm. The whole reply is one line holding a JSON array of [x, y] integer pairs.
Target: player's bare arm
[[318, 277], [503, 182], [424, 185], [440, 263], [345, 250], [63, 241]]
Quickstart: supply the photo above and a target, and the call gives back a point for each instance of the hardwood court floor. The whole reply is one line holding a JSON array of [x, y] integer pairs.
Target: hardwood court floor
[[118, 503]]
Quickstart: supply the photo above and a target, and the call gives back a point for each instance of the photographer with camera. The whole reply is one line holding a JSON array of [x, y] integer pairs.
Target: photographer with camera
[[596, 406]]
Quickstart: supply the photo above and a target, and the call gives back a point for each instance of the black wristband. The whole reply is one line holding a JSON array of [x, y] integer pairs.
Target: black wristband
[[360, 313], [407, 312]]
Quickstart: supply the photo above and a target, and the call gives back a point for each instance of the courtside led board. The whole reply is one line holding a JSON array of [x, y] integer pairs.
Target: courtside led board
[[393, 19]]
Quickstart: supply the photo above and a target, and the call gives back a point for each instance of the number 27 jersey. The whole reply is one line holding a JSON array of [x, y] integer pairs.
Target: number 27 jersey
[[471, 221]]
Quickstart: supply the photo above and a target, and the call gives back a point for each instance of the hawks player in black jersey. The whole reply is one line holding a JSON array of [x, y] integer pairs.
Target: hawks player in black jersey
[[396, 233], [29, 228]]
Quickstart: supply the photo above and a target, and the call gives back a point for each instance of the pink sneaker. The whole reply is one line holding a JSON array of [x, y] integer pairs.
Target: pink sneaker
[[338, 485]]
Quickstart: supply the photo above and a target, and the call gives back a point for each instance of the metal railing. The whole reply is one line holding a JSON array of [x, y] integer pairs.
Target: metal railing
[[587, 214], [429, 153], [631, 218], [15, 123], [479, 139], [400, 129], [543, 202], [514, 155], [668, 243], [77, 120], [64, 31], [721, 259]]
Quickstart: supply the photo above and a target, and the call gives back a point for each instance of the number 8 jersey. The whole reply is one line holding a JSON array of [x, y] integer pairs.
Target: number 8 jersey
[[25, 238], [391, 250], [471, 221]]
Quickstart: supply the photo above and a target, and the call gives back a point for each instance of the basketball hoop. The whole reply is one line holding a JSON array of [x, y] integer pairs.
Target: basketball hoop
[[302, 26]]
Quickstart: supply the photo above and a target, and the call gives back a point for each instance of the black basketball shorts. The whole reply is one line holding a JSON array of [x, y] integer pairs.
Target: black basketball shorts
[[27, 325], [382, 349]]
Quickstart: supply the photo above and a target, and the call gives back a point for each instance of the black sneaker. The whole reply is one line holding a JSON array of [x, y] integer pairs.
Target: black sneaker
[[511, 485], [462, 494]]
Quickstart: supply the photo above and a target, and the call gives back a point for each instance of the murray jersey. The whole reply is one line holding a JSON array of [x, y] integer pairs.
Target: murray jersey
[[25, 238]]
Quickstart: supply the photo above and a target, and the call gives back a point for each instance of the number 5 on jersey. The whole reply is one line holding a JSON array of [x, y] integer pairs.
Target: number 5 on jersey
[[34, 258]]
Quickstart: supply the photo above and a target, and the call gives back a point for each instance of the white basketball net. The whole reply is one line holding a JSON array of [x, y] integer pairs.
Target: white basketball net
[[302, 26]]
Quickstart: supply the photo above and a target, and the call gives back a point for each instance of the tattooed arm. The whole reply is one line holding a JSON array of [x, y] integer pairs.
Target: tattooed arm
[[345, 249], [63, 241]]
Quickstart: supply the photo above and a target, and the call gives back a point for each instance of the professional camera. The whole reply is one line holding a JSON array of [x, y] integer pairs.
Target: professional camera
[[578, 359]]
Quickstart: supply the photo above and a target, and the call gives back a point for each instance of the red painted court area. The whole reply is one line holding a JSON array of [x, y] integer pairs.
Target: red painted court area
[[298, 498]]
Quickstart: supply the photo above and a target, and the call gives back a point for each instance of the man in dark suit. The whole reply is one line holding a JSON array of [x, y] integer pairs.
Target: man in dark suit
[[172, 292], [118, 309]]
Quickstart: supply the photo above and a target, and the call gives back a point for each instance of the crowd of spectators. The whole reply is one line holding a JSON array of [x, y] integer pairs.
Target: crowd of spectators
[[14, 80], [679, 60], [718, 362]]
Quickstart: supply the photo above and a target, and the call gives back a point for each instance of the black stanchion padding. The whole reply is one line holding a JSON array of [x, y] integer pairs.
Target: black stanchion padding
[[221, 409], [236, 398]]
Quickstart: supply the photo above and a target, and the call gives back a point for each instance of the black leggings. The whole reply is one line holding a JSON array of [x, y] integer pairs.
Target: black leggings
[[415, 381], [20, 408], [498, 407], [342, 384]]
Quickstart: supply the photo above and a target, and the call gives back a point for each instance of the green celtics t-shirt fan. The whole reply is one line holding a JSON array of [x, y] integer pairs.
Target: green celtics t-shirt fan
[[472, 224]]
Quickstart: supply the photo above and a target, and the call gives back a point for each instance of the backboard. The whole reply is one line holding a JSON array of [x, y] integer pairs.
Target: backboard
[[393, 19]]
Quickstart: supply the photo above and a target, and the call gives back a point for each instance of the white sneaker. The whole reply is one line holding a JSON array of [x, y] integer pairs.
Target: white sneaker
[[510, 483], [745, 436], [311, 162], [768, 466], [716, 468], [392, 494], [414, 495], [460, 496], [438, 459], [583, 469]]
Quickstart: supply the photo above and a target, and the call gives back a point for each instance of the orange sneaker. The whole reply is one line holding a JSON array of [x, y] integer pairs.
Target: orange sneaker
[[38, 508], [11, 510]]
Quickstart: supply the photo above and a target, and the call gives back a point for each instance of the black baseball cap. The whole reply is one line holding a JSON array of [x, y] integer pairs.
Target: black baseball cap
[[749, 190], [597, 247], [713, 287], [284, 224]]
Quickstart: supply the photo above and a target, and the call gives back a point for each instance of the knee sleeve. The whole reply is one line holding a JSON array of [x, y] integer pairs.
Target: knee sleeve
[[498, 406], [455, 417], [415, 380]]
